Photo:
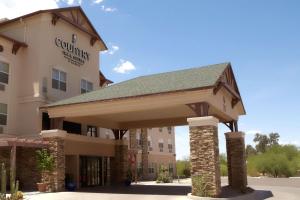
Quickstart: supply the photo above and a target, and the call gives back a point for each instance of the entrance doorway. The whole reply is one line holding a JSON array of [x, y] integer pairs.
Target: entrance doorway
[[93, 171]]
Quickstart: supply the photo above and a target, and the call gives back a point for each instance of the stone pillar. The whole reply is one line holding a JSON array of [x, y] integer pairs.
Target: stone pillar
[[121, 161], [133, 146], [132, 139], [144, 138], [56, 148], [204, 154], [236, 160]]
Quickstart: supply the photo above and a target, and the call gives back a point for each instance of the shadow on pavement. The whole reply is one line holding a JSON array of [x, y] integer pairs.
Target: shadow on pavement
[[140, 189], [228, 192]]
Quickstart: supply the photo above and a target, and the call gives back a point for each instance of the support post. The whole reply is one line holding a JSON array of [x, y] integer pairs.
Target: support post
[[204, 154], [236, 160], [134, 151], [121, 161], [144, 138], [57, 150]]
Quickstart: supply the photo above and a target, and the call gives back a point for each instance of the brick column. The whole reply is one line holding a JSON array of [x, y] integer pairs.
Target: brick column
[[204, 153], [56, 148], [236, 159], [121, 161], [144, 138]]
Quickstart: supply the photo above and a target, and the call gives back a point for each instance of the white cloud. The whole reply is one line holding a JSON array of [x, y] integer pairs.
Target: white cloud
[[112, 50], [125, 66], [108, 9], [98, 1], [15, 8]]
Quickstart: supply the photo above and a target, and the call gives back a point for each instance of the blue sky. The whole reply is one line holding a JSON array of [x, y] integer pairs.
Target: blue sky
[[260, 38]]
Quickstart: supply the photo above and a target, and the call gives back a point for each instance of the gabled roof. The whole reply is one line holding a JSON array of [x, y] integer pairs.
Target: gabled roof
[[103, 79], [72, 19], [182, 80]]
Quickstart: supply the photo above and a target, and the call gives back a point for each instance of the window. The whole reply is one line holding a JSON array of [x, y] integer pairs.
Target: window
[[86, 86], [161, 146], [160, 129], [170, 130], [151, 168], [92, 131], [171, 168], [59, 80], [4, 70], [170, 147], [149, 146], [3, 114]]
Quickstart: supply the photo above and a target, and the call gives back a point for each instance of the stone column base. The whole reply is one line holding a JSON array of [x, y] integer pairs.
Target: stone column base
[[120, 161], [204, 155], [236, 160]]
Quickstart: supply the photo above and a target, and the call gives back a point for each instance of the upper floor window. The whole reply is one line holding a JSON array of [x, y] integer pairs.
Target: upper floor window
[[161, 146], [92, 131], [86, 86], [170, 130], [170, 147], [4, 71], [3, 114], [59, 80], [160, 129]]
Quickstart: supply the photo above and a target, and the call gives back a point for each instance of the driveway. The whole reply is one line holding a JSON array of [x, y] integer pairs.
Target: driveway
[[268, 188]]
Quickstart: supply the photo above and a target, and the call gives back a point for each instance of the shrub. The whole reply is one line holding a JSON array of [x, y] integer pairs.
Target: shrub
[[183, 168], [224, 171], [164, 176], [45, 163], [277, 161], [200, 186], [223, 165]]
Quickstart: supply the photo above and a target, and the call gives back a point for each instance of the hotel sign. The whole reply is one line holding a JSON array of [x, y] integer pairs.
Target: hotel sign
[[72, 53]]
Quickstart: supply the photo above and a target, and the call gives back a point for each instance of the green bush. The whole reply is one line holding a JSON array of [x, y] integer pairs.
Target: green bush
[[277, 161], [200, 186], [223, 165], [224, 171], [183, 168], [164, 176]]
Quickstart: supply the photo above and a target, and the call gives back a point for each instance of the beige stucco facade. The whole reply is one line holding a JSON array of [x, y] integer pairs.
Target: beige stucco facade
[[30, 85]]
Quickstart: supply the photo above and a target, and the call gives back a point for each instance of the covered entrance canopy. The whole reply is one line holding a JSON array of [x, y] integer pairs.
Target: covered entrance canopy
[[200, 97], [165, 99]]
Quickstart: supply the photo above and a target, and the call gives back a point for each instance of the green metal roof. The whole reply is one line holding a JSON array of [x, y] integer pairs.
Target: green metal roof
[[187, 79]]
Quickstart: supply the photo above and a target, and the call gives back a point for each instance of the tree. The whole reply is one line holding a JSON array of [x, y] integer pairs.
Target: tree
[[262, 142], [250, 151], [273, 139]]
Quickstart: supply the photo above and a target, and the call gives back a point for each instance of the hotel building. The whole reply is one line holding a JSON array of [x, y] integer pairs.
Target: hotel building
[[51, 55]]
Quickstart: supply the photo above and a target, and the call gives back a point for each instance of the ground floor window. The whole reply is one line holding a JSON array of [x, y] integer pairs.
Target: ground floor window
[[151, 168], [170, 168]]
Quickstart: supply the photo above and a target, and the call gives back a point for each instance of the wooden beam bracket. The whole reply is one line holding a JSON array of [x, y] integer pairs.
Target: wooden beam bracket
[[16, 47], [55, 18], [201, 108], [93, 40]]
